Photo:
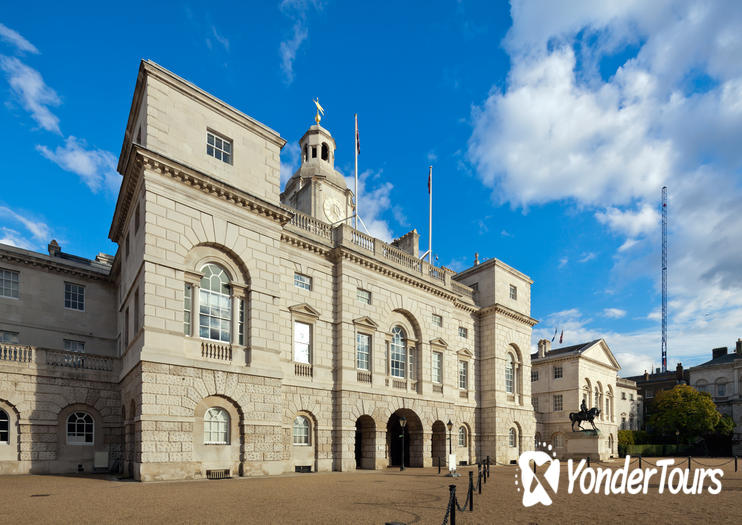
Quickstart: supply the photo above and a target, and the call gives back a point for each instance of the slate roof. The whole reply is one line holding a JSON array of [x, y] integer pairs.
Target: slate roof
[[721, 360], [573, 349]]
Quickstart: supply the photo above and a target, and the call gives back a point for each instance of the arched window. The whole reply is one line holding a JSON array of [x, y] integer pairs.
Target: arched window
[[512, 437], [301, 431], [509, 375], [80, 429], [597, 398], [399, 352], [721, 387], [4, 427], [558, 441], [462, 436], [215, 316], [325, 151], [306, 152], [216, 427]]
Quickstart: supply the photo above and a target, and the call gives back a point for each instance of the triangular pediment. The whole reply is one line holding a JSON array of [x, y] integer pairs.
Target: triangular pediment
[[465, 352], [601, 353], [304, 309], [439, 342], [366, 321]]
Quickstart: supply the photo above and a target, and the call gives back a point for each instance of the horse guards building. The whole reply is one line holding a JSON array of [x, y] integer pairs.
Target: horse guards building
[[241, 330]]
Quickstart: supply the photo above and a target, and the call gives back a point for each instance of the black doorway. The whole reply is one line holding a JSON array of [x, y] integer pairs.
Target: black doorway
[[394, 430]]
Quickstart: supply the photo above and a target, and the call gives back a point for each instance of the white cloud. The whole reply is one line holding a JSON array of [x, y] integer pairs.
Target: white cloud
[[627, 245], [290, 160], [614, 313], [297, 10], [34, 233], [219, 38], [375, 200], [96, 167], [563, 262], [589, 256], [15, 39], [630, 222], [505, 233], [34, 95]]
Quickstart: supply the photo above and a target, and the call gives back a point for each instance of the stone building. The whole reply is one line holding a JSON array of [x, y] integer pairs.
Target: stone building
[[561, 378], [721, 377], [240, 330], [629, 409], [649, 385]]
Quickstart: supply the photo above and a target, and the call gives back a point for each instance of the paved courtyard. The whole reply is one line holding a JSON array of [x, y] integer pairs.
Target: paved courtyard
[[413, 496]]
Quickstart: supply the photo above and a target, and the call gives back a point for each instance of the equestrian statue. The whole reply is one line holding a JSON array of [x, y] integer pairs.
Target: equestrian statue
[[584, 415]]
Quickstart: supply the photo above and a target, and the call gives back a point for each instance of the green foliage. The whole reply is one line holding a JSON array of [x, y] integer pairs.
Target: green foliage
[[725, 427], [684, 410], [626, 437]]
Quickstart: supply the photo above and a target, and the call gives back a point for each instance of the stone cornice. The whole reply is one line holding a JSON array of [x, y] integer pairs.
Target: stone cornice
[[30, 259], [508, 312], [146, 159]]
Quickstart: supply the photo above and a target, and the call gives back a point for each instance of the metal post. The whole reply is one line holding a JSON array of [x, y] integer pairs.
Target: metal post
[[355, 222], [588, 462], [401, 467], [452, 502], [488, 466], [430, 216], [640, 462], [735, 463], [479, 478], [471, 491], [450, 451], [688, 462], [439, 464]]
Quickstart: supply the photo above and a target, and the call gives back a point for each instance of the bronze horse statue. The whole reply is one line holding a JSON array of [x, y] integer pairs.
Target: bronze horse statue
[[579, 417]]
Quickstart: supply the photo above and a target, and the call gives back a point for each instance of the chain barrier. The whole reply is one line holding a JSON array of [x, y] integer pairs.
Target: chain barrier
[[451, 500], [713, 466]]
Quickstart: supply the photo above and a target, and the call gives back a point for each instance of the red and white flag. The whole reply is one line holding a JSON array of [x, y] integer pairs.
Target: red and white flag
[[561, 337]]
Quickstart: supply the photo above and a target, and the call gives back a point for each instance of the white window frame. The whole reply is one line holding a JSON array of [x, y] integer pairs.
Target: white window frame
[[512, 437], [510, 376], [10, 283], [303, 342], [437, 320], [463, 375], [74, 297], [302, 431], [79, 436], [216, 426], [513, 292], [534, 376], [463, 332], [558, 372], [188, 309], [302, 281], [363, 296], [219, 147], [70, 345], [363, 354], [9, 338], [558, 402], [4, 427], [462, 434], [398, 353], [437, 366], [215, 314]]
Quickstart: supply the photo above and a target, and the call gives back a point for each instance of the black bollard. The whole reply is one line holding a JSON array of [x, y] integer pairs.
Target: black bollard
[[534, 467], [735, 463], [640, 462], [688, 462], [488, 466], [588, 462], [479, 478], [471, 491], [452, 488], [439, 464]]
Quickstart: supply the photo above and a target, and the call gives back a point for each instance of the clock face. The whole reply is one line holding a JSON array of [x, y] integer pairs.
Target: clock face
[[333, 210]]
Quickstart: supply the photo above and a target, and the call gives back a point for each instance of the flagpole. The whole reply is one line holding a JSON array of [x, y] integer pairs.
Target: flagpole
[[430, 215], [355, 222]]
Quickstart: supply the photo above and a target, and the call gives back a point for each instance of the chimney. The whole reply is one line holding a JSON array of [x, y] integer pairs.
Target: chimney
[[476, 258], [738, 350], [656, 370], [679, 372], [544, 346], [54, 248], [719, 352], [646, 376], [409, 243]]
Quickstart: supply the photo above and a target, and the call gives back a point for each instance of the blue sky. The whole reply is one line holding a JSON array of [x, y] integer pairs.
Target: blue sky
[[551, 129]]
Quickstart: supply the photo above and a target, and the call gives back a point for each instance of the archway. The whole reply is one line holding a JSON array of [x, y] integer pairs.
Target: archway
[[438, 444], [413, 439], [365, 443]]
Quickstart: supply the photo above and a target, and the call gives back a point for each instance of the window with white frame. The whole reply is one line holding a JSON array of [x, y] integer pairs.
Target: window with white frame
[[412, 360], [241, 323], [218, 147], [534, 375], [215, 304], [462, 436], [437, 320], [597, 398], [80, 429], [558, 403], [399, 352], [509, 372], [437, 367], [364, 296], [463, 332], [302, 342], [4, 427], [187, 308], [513, 292], [363, 351], [301, 431], [623, 423], [8, 284], [216, 427], [10, 338], [463, 375], [74, 296], [302, 281], [512, 438], [558, 372], [558, 440], [721, 389], [74, 346]]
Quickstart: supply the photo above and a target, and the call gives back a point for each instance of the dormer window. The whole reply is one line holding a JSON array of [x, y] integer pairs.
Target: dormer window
[[219, 147], [325, 151]]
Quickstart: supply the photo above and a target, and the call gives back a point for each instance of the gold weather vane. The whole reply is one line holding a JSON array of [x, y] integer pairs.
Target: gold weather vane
[[320, 109]]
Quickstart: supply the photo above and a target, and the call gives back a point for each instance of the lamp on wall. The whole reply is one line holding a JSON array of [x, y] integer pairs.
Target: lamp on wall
[[402, 423]]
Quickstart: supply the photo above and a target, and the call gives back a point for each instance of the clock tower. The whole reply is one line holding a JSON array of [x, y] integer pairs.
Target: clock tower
[[316, 188]]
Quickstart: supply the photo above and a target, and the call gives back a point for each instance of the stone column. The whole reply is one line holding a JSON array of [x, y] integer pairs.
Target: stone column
[[427, 448]]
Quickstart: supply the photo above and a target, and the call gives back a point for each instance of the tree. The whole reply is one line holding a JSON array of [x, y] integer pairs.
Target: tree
[[684, 410]]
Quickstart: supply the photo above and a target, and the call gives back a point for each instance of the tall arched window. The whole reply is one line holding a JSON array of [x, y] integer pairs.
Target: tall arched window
[[325, 151], [306, 152], [301, 431], [597, 398], [80, 429], [509, 375], [216, 427], [512, 438], [462, 436], [399, 352], [215, 316], [4, 427]]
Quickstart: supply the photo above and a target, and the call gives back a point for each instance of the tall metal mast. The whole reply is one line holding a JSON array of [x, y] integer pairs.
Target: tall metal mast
[[664, 278]]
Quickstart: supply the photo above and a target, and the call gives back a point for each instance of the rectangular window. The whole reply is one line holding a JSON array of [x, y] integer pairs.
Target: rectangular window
[[241, 324], [126, 328], [364, 296], [437, 367], [398, 361], [8, 284], [363, 351], [74, 346], [187, 309], [413, 363], [215, 315], [558, 372], [721, 389], [534, 402], [218, 147], [136, 311], [623, 395], [463, 375], [631, 397], [74, 296], [302, 281], [10, 338], [534, 375], [558, 403], [302, 342], [437, 320], [463, 332], [509, 378], [513, 293]]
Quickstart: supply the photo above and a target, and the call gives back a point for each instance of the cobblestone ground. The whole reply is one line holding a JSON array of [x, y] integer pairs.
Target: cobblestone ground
[[413, 496]]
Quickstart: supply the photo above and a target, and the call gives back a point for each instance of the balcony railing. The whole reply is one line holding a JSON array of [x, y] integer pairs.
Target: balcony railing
[[312, 225], [16, 353], [34, 356], [303, 369], [364, 376], [216, 351]]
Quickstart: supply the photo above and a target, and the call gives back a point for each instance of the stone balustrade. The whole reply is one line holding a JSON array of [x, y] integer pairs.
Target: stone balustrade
[[303, 369], [49, 357], [217, 351], [16, 353]]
